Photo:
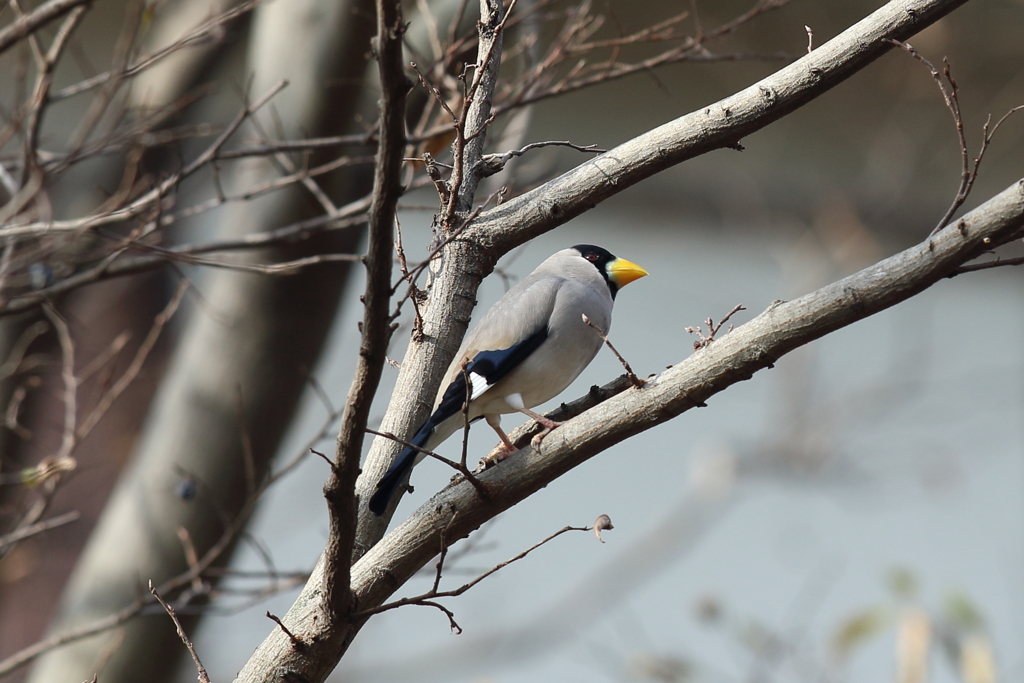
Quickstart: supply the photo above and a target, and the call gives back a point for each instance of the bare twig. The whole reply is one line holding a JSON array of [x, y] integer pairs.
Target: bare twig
[[427, 599], [298, 644], [633, 379], [204, 32], [115, 265], [951, 98], [203, 677], [28, 23], [539, 82], [145, 202], [40, 96], [67, 347], [138, 361], [713, 329], [950, 95], [997, 263], [191, 557], [37, 528], [17, 360], [494, 163], [460, 467], [377, 326], [268, 147]]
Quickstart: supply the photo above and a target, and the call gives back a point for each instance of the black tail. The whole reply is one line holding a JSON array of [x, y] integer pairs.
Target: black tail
[[451, 404], [399, 469]]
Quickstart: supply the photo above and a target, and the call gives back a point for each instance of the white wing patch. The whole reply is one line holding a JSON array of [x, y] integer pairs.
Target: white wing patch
[[479, 385]]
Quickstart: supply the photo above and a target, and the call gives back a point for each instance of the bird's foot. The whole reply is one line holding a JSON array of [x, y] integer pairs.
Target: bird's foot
[[503, 451], [539, 436], [548, 425], [495, 456]]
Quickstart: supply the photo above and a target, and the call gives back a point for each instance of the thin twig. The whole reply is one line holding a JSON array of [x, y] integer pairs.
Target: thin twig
[[296, 643], [67, 347], [997, 263], [201, 33], [38, 528], [145, 202], [377, 327], [191, 557], [138, 361], [494, 163], [203, 677], [713, 329], [407, 444], [29, 23], [634, 380], [952, 100], [427, 599], [40, 98]]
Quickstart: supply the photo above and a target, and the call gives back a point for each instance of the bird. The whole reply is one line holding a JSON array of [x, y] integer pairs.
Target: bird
[[525, 351]]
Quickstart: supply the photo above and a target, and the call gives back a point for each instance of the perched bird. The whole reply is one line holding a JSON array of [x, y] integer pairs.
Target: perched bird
[[526, 350]]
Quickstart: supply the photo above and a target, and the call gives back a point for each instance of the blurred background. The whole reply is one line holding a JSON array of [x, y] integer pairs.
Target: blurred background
[[854, 514]]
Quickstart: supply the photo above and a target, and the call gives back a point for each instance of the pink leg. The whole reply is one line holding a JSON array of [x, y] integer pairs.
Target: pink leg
[[495, 422], [542, 421]]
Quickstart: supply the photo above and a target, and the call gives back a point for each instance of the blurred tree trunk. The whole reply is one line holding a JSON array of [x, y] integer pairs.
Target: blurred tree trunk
[[251, 342]]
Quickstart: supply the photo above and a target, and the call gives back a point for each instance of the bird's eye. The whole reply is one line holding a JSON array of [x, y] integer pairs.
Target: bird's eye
[[591, 256]]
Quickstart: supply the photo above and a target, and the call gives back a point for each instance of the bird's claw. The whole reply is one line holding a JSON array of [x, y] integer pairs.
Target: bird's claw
[[548, 425], [503, 452]]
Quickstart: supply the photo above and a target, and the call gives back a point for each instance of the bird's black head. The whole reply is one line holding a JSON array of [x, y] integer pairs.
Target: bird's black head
[[600, 258], [617, 272]]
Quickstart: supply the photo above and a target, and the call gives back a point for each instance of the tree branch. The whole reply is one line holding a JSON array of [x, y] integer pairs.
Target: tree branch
[[332, 580], [23, 26], [377, 323], [720, 125]]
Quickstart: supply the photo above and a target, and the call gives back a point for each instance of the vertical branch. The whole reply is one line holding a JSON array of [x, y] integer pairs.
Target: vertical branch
[[471, 129], [40, 95], [480, 93], [70, 381], [377, 323]]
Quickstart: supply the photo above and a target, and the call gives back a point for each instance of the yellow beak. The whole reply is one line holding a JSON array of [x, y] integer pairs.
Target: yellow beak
[[622, 272]]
